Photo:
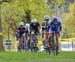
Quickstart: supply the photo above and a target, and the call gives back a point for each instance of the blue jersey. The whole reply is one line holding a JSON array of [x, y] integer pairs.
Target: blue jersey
[[54, 27]]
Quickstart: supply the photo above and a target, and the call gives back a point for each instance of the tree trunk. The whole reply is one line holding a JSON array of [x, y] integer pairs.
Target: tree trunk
[[1, 35]]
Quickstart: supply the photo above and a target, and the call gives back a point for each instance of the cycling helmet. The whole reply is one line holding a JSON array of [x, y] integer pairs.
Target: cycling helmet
[[34, 20], [21, 24], [27, 24], [55, 19], [46, 17]]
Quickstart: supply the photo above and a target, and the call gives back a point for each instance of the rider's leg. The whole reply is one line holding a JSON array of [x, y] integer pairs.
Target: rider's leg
[[57, 39], [43, 40], [37, 37], [19, 44], [20, 40], [28, 42], [51, 40], [24, 41]]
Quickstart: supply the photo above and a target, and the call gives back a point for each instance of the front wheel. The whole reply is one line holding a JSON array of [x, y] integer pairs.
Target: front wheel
[[55, 50]]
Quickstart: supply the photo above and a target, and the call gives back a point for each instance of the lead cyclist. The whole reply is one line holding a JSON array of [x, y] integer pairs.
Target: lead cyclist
[[55, 27]]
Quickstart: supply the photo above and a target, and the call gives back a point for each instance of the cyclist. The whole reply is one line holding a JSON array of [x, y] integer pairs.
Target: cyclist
[[27, 26], [34, 26], [27, 36], [55, 27], [45, 24], [20, 32], [45, 29]]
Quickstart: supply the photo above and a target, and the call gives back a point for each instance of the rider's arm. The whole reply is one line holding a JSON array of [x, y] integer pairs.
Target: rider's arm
[[60, 24], [60, 28]]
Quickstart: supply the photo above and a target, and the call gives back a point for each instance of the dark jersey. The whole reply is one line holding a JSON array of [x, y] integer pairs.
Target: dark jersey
[[34, 27], [45, 26], [21, 30]]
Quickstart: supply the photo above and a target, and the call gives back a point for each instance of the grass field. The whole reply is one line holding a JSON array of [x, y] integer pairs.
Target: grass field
[[36, 57]]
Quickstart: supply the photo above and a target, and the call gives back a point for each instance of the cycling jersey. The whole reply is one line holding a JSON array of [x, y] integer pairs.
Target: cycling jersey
[[20, 31], [35, 27], [55, 27], [45, 26]]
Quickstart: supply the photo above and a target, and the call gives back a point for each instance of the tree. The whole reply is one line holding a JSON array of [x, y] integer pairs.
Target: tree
[[69, 20], [56, 5], [14, 12]]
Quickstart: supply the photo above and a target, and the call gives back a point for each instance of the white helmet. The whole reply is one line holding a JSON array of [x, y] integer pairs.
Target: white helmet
[[34, 20], [46, 17], [27, 24]]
